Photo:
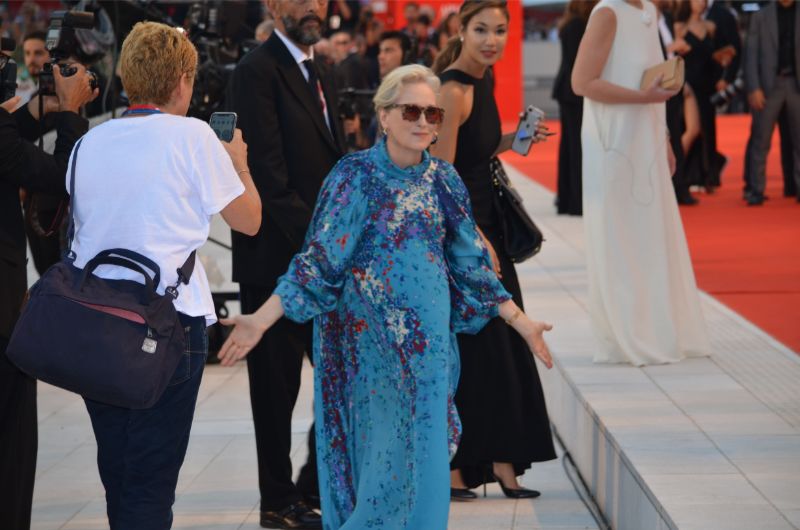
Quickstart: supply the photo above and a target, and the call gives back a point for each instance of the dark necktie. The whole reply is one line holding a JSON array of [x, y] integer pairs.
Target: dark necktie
[[314, 84]]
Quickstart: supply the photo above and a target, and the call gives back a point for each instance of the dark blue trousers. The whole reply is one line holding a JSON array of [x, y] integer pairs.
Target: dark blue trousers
[[140, 452]]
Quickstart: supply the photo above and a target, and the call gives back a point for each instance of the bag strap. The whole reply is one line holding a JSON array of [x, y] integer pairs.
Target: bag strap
[[71, 228], [184, 271], [120, 262]]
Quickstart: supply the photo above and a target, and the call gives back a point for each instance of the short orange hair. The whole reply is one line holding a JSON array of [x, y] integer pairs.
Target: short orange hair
[[154, 57]]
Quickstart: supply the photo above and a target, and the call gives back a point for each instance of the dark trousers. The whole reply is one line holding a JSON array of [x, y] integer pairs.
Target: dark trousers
[[787, 155], [140, 452], [570, 183], [787, 158], [274, 367], [785, 95], [18, 444]]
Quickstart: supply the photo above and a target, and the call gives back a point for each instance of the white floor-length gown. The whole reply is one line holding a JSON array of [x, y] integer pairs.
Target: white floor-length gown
[[643, 299]]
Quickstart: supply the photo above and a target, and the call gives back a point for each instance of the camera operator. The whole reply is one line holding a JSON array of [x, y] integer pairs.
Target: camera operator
[[22, 164]]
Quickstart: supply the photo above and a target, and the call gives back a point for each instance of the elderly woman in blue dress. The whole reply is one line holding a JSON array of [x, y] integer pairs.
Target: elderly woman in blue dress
[[391, 269]]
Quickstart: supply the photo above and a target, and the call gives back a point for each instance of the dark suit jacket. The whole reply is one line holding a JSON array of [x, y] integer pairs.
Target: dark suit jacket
[[727, 33], [761, 49], [289, 150], [570, 35], [22, 164]]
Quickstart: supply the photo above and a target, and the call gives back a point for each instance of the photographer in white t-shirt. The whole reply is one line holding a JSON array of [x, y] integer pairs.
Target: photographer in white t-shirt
[[150, 182]]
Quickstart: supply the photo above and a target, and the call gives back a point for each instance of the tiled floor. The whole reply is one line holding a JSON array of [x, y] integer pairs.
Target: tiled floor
[[217, 487]]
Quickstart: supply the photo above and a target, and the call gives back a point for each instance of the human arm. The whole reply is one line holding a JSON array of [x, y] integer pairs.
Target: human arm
[[755, 92], [453, 99], [312, 284], [591, 60], [27, 166], [476, 293], [243, 213], [530, 330]]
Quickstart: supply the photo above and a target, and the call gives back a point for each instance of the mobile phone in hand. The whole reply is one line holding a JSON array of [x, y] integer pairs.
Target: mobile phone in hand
[[526, 130], [223, 124]]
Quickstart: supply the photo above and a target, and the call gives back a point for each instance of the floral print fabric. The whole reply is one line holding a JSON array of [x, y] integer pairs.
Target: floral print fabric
[[391, 268]]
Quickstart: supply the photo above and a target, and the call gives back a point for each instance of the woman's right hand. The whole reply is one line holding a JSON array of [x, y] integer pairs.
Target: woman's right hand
[[656, 94], [237, 150], [247, 332]]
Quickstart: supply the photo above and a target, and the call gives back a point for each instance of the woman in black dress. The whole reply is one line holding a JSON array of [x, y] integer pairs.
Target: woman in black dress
[[499, 397], [694, 41], [570, 108]]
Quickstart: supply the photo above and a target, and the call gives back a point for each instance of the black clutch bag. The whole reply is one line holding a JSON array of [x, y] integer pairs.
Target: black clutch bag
[[521, 237]]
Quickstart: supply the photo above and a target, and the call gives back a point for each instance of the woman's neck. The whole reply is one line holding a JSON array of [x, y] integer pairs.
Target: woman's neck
[[400, 156], [469, 66]]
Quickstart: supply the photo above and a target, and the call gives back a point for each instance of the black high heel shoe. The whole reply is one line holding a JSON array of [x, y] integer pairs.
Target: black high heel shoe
[[462, 494], [516, 493]]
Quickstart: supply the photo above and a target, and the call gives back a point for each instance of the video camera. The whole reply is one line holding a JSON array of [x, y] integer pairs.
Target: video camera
[[724, 96], [354, 101], [8, 69], [62, 43]]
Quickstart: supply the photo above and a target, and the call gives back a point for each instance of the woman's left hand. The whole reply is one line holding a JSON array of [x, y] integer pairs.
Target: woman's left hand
[[535, 340], [542, 132]]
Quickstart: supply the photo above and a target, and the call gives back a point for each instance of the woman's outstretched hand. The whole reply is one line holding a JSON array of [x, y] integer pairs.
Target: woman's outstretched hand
[[535, 340], [247, 331], [530, 330]]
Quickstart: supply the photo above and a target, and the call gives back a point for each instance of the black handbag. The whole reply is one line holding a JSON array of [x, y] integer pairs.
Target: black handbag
[[522, 239], [113, 341]]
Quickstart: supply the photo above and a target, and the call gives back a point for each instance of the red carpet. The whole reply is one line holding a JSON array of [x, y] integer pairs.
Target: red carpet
[[746, 257]]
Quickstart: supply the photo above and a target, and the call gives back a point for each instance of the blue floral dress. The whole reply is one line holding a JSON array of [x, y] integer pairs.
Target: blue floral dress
[[391, 268]]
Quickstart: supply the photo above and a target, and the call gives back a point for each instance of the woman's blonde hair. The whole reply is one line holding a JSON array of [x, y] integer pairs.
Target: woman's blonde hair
[[395, 80], [154, 57]]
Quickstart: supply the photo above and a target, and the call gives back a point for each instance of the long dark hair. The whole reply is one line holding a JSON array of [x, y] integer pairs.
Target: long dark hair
[[468, 9], [580, 9]]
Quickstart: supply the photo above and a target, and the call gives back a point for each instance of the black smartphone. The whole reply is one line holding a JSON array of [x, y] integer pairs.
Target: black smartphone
[[526, 130], [223, 124]]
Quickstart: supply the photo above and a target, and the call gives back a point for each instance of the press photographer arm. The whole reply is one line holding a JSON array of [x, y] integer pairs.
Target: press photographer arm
[[25, 165]]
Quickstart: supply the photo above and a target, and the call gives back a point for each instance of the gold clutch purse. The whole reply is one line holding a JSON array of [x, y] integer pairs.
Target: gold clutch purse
[[673, 71]]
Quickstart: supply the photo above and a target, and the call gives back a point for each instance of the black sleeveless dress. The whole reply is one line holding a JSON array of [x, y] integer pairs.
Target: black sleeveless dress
[[702, 165], [499, 397]]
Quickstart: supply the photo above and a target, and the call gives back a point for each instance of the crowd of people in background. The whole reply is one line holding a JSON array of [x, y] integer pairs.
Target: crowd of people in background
[[723, 71]]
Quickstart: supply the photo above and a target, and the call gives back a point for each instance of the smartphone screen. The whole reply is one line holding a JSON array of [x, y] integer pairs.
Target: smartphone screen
[[223, 124]]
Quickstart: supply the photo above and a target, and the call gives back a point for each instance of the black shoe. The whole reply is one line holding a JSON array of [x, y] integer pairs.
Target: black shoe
[[462, 494], [517, 493], [298, 515], [688, 201], [312, 500], [755, 200]]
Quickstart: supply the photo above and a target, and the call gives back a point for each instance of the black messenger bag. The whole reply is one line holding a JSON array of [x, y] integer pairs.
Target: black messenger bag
[[113, 341]]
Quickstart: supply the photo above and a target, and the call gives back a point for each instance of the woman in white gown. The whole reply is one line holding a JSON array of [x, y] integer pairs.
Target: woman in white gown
[[643, 299]]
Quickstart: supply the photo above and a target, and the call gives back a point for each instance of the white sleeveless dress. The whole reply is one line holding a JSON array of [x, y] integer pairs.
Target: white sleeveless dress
[[643, 298]]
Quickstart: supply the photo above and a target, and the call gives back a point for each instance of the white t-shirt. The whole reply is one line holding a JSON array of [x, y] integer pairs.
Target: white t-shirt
[[151, 184]]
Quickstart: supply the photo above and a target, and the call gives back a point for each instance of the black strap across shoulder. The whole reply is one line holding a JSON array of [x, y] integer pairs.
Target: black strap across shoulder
[[107, 256]]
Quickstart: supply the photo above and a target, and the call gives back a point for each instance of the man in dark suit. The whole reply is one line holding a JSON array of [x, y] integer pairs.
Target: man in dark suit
[[772, 79], [24, 165], [287, 113]]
